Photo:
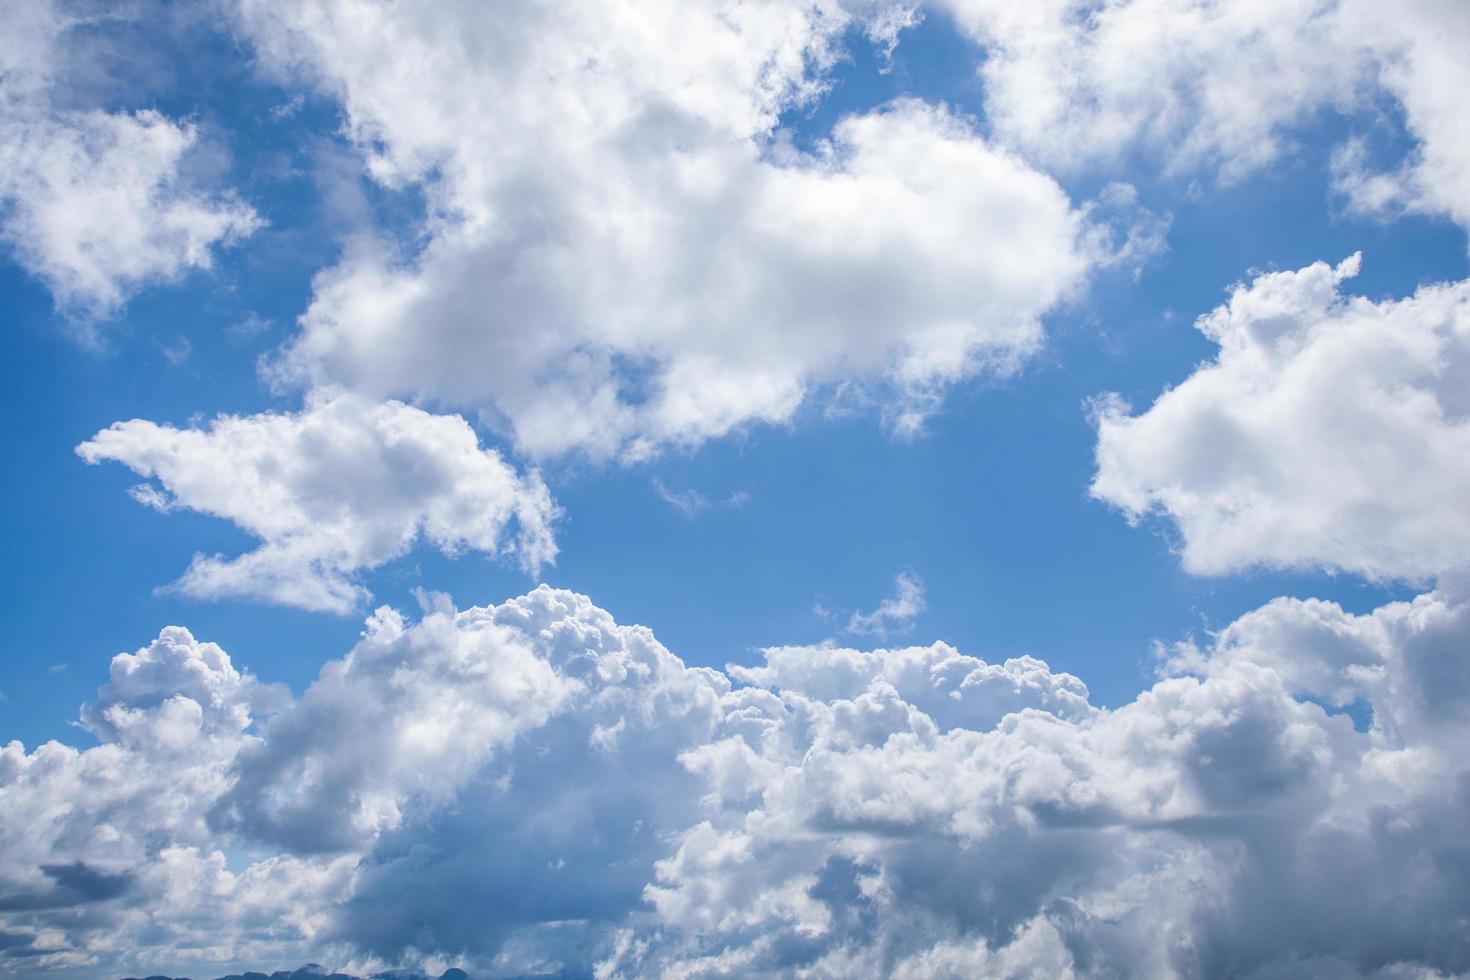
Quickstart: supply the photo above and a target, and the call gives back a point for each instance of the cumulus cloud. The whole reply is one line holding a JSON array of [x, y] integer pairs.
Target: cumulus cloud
[[1225, 85], [534, 788], [625, 251], [1204, 84], [338, 488], [95, 204], [1419, 45], [108, 849], [1329, 430]]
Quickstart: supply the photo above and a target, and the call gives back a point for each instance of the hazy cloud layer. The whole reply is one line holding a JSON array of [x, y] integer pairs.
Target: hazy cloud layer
[[531, 787], [338, 488]]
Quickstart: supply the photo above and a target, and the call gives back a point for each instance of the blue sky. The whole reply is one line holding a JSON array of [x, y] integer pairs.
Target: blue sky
[[989, 506], [775, 529]]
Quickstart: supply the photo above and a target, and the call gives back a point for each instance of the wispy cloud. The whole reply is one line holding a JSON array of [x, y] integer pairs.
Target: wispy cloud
[[177, 352], [894, 614], [692, 503]]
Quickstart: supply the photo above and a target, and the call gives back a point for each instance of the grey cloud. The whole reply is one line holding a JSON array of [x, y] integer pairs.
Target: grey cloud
[[71, 884]]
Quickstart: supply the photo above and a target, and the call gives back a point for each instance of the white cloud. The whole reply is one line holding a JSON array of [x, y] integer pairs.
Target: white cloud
[[336, 489], [1203, 84], [418, 713], [1226, 85], [1420, 45], [954, 690], [95, 204], [691, 503], [532, 787], [896, 613], [623, 250], [1329, 430], [107, 850]]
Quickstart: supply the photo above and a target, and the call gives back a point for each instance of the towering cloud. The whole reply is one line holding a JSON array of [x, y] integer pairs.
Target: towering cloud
[[532, 788]]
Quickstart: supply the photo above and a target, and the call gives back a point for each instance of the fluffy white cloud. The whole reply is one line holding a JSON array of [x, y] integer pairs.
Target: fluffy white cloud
[[1223, 84], [342, 486], [106, 856], [95, 204], [624, 250], [1329, 430], [532, 788], [1215, 84], [953, 690], [1420, 44]]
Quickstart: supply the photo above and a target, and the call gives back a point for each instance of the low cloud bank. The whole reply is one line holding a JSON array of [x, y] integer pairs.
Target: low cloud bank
[[533, 789]]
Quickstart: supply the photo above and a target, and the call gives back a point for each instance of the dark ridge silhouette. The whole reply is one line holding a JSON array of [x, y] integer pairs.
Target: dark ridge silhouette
[[315, 971]]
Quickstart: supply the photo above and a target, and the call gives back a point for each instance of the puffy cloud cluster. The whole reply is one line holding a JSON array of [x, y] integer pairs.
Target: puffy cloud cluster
[[625, 250], [96, 204], [1203, 83], [1418, 45], [342, 486], [532, 788], [1329, 430], [1223, 84], [107, 852]]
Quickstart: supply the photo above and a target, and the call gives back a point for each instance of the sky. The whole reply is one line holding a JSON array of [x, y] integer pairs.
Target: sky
[[735, 489]]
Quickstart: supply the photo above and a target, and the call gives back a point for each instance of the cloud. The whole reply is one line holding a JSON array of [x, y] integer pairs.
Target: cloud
[[692, 503], [1225, 85], [1329, 431], [111, 843], [952, 689], [534, 788], [624, 250], [336, 489], [1216, 85], [1419, 45], [96, 204], [424, 711], [895, 613]]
